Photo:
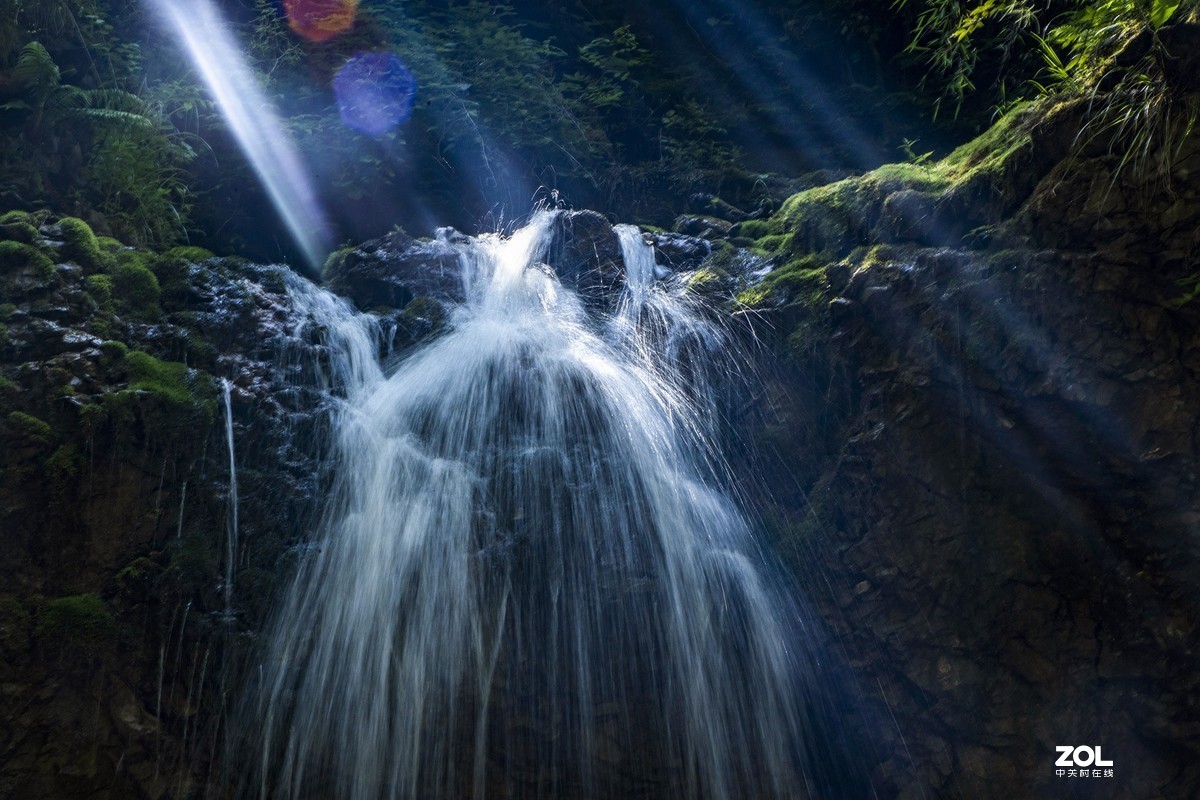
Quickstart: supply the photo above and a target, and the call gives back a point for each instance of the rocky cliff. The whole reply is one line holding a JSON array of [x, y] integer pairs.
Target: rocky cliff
[[973, 416], [981, 439]]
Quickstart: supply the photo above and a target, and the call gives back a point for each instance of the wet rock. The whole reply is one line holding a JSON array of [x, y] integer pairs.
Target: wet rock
[[704, 227], [679, 252], [1016, 444], [393, 270], [586, 255]]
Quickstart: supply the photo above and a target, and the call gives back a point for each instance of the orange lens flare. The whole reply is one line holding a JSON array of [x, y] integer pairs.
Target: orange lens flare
[[320, 20]]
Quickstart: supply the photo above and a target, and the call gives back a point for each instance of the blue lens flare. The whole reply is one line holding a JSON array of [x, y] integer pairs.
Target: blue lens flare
[[374, 92]]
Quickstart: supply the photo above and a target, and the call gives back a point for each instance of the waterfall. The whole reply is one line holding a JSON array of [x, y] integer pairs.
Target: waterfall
[[231, 533], [528, 582]]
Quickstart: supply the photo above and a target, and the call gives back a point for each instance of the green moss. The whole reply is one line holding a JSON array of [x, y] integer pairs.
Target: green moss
[[100, 287], [172, 402], [754, 228], [775, 243], [138, 575], [167, 379], [424, 309], [189, 254], [81, 621], [173, 269], [702, 279], [16, 256], [80, 245], [135, 287], [991, 149], [16, 217], [30, 426], [114, 349], [6, 311], [195, 562], [19, 232], [109, 245], [801, 280], [333, 264], [7, 387], [63, 467]]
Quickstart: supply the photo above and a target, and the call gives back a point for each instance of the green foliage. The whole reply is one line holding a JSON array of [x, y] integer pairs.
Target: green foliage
[[63, 467], [78, 622], [948, 34], [1052, 48], [616, 59], [30, 427], [695, 155], [125, 155], [138, 574], [333, 264]]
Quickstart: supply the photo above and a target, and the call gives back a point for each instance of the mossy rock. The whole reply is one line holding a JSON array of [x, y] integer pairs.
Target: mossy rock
[[100, 287], [19, 232], [21, 257], [63, 468], [30, 427], [172, 402], [80, 621], [927, 203], [802, 280], [195, 563], [333, 264], [135, 288], [112, 349], [189, 254], [16, 217], [754, 228], [81, 246], [173, 271]]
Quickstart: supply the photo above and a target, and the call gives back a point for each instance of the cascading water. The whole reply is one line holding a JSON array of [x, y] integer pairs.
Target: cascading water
[[231, 522], [528, 584]]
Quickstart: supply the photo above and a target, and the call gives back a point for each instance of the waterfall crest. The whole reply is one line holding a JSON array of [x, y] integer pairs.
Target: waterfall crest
[[527, 582]]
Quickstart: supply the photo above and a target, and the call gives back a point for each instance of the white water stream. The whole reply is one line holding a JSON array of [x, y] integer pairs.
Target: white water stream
[[528, 583]]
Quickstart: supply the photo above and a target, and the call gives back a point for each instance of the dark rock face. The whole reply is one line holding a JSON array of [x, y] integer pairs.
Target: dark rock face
[[995, 460], [114, 485], [679, 252], [586, 255], [395, 269]]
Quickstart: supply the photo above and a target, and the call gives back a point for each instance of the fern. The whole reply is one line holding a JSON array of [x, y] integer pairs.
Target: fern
[[36, 70]]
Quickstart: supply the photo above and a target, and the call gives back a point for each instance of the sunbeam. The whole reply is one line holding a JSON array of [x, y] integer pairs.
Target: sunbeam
[[204, 36]]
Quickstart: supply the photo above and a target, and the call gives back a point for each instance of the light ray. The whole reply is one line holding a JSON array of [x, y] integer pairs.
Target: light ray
[[200, 30]]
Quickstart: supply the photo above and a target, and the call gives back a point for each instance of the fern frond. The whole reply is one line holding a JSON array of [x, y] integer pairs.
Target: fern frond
[[37, 71]]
